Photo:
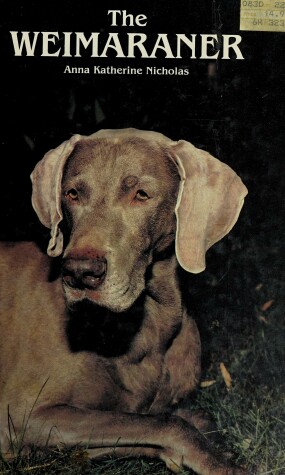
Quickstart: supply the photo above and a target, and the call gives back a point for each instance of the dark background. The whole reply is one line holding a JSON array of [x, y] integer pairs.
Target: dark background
[[237, 115]]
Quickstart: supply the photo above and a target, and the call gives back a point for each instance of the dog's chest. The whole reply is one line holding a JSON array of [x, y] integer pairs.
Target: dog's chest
[[148, 383], [115, 383]]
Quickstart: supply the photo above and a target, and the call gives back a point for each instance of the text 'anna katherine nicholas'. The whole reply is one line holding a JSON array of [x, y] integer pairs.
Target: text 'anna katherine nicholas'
[[129, 71]]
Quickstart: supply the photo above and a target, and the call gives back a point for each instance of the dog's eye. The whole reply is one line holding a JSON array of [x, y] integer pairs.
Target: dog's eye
[[71, 194], [141, 195]]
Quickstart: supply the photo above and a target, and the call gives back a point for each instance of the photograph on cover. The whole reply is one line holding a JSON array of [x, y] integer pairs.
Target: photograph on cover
[[142, 261]]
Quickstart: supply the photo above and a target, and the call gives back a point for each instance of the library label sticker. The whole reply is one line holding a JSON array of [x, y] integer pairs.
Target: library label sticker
[[262, 15]]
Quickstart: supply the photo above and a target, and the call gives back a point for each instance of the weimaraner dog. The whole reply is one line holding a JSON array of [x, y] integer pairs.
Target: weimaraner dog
[[96, 345]]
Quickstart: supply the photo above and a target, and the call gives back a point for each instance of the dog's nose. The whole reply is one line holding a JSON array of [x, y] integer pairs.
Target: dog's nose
[[84, 273]]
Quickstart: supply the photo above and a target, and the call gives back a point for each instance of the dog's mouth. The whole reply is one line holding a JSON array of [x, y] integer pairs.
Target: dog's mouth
[[112, 288], [87, 282], [113, 294]]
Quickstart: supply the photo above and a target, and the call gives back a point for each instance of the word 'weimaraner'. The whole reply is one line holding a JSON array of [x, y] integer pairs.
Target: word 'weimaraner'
[[99, 350]]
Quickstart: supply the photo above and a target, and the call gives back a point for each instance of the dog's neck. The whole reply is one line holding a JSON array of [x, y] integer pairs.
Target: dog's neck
[[157, 311]]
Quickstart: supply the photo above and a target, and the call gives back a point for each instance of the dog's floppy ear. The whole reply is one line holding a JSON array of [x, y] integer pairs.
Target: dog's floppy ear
[[210, 198], [46, 197]]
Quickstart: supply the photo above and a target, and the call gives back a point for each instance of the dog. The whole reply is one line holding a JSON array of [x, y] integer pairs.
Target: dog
[[97, 347]]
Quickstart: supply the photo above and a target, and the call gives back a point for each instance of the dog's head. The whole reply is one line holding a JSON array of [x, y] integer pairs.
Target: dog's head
[[117, 198]]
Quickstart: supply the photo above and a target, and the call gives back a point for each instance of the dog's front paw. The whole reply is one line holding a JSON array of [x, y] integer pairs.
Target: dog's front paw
[[186, 448]]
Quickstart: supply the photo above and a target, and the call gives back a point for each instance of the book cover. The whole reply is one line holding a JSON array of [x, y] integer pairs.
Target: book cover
[[210, 73]]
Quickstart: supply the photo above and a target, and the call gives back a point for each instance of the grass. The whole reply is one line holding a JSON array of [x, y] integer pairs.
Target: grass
[[252, 424], [251, 414], [75, 462]]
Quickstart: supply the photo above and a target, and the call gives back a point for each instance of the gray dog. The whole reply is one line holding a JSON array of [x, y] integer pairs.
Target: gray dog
[[100, 350]]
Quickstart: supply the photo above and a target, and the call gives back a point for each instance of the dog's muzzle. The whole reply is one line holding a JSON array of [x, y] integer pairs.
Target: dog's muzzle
[[80, 273]]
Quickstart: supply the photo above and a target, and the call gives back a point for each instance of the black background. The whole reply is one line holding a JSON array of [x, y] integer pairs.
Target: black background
[[237, 115]]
